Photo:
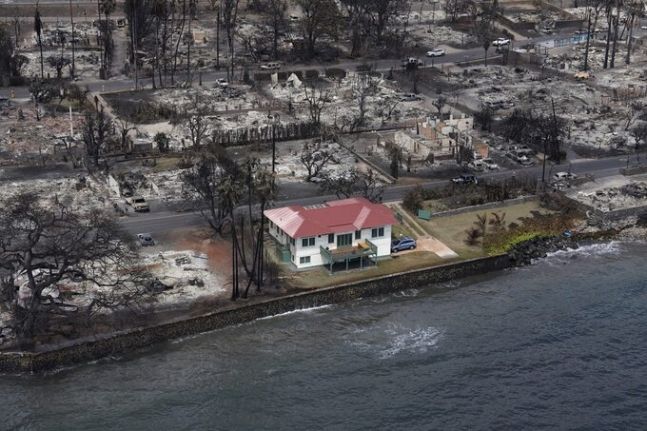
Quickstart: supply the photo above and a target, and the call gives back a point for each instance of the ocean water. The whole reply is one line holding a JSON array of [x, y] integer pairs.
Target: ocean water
[[559, 345]]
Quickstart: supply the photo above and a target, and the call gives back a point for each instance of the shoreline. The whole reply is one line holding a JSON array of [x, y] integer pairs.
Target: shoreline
[[137, 338], [131, 340]]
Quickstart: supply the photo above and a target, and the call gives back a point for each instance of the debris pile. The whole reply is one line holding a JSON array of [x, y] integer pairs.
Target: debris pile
[[629, 195]]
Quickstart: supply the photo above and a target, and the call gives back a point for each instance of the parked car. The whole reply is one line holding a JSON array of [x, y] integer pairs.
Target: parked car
[[220, 82], [404, 243], [145, 239], [271, 66], [126, 192], [412, 61], [501, 41], [490, 164], [477, 165], [436, 52], [520, 157], [564, 176], [465, 179], [138, 203], [410, 97]]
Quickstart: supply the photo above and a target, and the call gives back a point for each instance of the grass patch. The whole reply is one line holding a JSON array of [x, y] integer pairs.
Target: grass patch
[[451, 230], [320, 277]]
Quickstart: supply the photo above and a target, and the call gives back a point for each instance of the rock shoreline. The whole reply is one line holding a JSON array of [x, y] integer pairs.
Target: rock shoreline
[[538, 248]]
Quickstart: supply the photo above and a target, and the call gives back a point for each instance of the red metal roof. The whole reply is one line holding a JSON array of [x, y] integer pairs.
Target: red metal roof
[[346, 215]]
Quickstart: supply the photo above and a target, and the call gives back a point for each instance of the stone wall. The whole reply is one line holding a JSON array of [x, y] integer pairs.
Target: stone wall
[[123, 342], [487, 206]]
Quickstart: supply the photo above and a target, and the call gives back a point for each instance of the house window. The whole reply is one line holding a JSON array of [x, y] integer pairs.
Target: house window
[[304, 259], [358, 234], [344, 240], [331, 238], [292, 241], [377, 232], [308, 242]]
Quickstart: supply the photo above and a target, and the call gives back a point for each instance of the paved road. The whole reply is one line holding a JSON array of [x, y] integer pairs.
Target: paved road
[[124, 84], [158, 223]]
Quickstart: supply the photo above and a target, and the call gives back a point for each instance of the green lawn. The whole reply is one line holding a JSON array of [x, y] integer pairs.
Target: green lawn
[[451, 229], [320, 277]]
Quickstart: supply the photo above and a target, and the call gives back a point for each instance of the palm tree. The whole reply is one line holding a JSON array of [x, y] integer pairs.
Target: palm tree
[[106, 7], [635, 9], [497, 221], [38, 28]]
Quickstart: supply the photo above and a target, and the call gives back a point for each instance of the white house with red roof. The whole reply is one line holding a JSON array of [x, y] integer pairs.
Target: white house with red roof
[[336, 231]]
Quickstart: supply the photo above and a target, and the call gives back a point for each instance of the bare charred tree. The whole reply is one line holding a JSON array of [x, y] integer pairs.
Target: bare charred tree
[[639, 132], [382, 12], [43, 245], [388, 107], [96, 131], [276, 11], [220, 185], [320, 17], [230, 23], [363, 87], [314, 157], [439, 103], [124, 127], [355, 183], [359, 24], [484, 117], [195, 121], [541, 132], [209, 179], [11, 62], [58, 63], [316, 98], [454, 8]]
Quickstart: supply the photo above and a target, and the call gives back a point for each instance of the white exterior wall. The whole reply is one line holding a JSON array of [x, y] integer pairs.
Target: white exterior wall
[[278, 234], [297, 250]]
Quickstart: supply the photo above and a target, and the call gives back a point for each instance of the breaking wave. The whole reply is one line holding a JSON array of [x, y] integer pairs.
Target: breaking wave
[[407, 293], [298, 310], [393, 341], [414, 341], [612, 248]]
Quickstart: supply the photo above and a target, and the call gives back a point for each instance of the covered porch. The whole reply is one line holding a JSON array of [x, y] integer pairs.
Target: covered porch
[[365, 251]]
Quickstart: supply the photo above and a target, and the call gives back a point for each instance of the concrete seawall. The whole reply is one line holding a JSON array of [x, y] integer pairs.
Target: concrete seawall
[[124, 342]]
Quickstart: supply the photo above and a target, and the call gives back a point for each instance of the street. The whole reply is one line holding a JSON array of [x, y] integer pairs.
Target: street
[[160, 222]]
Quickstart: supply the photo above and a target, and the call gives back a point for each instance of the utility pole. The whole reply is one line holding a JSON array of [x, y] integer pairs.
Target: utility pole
[[73, 39], [133, 35], [218, 38], [100, 40], [273, 148]]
